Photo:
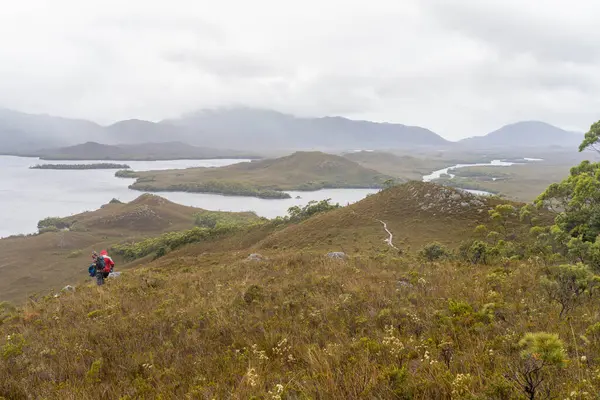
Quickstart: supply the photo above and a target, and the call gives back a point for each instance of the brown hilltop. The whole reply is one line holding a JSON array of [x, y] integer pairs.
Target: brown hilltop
[[54, 259], [416, 213], [147, 213]]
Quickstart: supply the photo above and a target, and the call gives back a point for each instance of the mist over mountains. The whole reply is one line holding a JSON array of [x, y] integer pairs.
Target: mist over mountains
[[257, 130]]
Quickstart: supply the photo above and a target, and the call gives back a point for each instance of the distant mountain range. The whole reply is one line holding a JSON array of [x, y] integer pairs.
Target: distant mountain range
[[256, 130], [526, 134]]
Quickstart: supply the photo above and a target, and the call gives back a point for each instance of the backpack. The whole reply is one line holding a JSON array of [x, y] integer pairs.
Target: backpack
[[100, 264]]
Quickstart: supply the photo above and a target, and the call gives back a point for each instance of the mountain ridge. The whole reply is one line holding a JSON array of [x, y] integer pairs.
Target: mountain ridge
[[260, 130], [525, 134]]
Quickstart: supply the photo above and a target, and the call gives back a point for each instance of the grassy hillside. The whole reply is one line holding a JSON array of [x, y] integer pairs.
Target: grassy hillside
[[265, 178], [518, 182], [206, 322], [416, 213], [51, 260], [404, 167]]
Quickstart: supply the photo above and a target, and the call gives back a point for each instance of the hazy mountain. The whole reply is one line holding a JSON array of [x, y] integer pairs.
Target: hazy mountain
[[143, 151], [20, 131], [237, 128], [266, 129], [526, 134], [134, 131]]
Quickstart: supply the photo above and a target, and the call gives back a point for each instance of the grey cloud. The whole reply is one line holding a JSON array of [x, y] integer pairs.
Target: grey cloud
[[512, 30], [458, 67], [229, 65]]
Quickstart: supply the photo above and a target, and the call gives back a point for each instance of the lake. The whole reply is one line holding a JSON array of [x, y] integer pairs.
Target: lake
[[28, 195]]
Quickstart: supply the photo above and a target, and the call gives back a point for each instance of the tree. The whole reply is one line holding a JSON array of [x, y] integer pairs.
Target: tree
[[576, 201], [313, 207], [592, 137], [501, 216], [540, 352], [566, 285], [435, 251]]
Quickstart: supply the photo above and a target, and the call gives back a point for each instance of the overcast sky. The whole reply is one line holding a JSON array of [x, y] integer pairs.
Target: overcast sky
[[458, 67]]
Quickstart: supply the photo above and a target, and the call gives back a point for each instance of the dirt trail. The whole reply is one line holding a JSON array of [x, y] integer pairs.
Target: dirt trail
[[390, 239]]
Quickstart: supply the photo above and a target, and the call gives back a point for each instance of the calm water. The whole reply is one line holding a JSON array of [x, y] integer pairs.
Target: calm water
[[494, 163], [28, 195]]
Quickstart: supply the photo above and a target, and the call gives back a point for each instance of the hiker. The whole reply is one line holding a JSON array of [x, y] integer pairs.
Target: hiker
[[101, 267], [110, 264]]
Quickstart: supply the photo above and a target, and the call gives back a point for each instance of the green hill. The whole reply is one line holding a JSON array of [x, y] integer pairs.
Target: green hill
[[264, 178]]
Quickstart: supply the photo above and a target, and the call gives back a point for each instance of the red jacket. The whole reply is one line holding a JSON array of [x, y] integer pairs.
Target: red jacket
[[109, 264]]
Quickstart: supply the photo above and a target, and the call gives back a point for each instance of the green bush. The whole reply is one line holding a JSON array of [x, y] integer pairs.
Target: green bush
[[172, 240], [53, 222], [566, 284], [476, 252], [313, 207], [435, 251]]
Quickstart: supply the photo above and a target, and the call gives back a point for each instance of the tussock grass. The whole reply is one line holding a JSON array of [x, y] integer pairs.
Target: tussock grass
[[217, 326]]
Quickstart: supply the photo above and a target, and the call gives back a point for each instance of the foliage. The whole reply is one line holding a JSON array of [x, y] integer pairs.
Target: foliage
[[115, 201], [53, 223], [540, 351], [215, 326], [211, 224], [476, 252], [81, 166], [592, 137], [435, 251], [313, 207], [577, 201], [171, 241], [501, 216], [126, 173], [219, 219], [566, 284], [225, 188]]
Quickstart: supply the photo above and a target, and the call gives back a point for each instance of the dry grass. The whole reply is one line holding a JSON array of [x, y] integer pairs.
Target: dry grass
[[219, 327], [34, 264], [205, 323], [416, 213]]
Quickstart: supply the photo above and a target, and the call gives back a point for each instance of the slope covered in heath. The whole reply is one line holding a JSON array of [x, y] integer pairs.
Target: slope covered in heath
[[37, 263], [404, 167], [416, 213], [265, 178], [207, 321]]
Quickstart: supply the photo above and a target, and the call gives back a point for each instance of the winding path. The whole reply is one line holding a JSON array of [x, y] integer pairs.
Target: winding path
[[389, 240]]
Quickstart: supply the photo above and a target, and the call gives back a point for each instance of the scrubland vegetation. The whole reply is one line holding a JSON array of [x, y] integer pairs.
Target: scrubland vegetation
[[501, 305], [265, 179], [81, 166]]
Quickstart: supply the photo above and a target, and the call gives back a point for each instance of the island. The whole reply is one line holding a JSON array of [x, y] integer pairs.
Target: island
[[267, 179], [82, 166]]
